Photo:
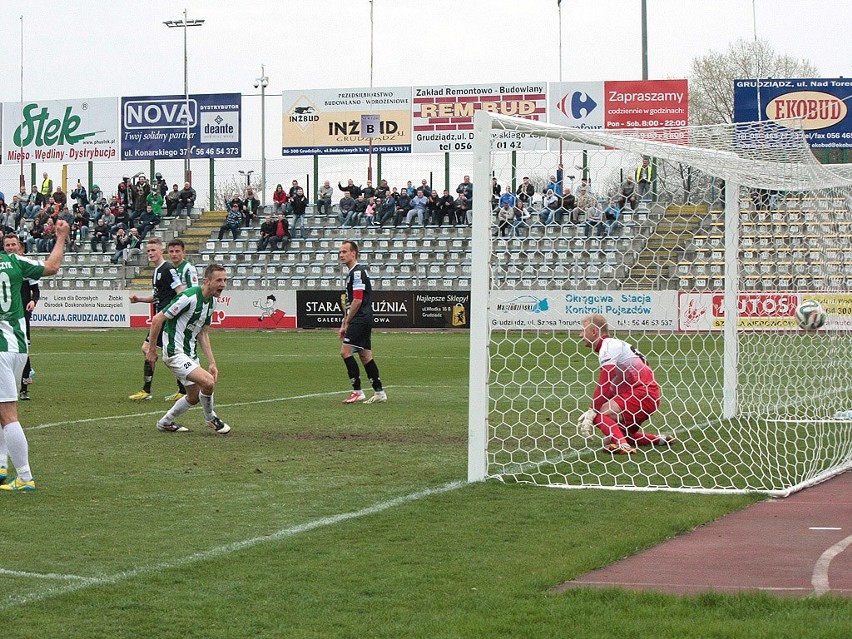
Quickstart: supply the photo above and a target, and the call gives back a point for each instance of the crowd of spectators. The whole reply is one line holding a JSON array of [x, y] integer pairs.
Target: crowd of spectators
[[122, 221]]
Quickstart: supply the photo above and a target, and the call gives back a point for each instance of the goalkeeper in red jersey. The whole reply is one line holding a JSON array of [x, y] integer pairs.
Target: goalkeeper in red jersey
[[626, 394]]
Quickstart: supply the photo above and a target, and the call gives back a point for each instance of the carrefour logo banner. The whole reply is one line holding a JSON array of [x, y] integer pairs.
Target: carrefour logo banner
[[155, 127], [329, 121], [61, 130], [821, 103]]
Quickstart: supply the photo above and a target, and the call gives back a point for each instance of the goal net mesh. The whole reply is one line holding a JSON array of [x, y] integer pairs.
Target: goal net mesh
[[755, 408]]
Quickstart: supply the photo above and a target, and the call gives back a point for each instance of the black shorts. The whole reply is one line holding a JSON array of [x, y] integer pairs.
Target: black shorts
[[159, 339], [358, 336]]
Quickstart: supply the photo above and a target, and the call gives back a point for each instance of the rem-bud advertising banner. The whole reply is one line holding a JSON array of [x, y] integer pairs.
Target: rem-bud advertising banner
[[442, 116], [329, 121], [61, 130], [155, 127]]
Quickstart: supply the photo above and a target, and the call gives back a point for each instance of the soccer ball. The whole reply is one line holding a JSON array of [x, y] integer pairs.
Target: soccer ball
[[810, 315]]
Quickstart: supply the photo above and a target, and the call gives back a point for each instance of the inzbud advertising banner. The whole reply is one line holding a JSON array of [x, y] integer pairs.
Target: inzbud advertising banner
[[61, 130]]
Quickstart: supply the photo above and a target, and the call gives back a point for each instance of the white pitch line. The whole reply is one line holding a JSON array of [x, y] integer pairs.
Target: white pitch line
[[43, 575], [89, 420], [819, 579], [227, 549]]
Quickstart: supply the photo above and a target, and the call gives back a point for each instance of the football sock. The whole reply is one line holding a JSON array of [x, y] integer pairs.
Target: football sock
[[177, 409], [373, 374], [181, 388], [18, 450], [610, 428], [207, 405], [642, 439], [354, 373], [149, 376], [4, 451]]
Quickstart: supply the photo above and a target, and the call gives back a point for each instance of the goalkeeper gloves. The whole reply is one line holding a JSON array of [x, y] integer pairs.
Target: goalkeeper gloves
[[585, 425]]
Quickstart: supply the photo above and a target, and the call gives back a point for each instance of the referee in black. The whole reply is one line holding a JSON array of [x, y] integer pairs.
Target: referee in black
[[30, 295], [357, 326]]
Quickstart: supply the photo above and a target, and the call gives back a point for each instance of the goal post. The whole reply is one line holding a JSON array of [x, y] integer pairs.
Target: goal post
[[702, 272]]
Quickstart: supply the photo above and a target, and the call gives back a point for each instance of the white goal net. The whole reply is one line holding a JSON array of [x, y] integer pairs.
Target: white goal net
[[697, 244]]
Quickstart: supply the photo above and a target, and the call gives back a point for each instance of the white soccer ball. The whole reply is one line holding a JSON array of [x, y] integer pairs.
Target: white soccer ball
[[810, 315]]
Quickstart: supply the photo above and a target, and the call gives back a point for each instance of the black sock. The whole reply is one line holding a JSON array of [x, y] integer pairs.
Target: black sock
[[354, 373], [149, 376], [373, 374], [181, 388]]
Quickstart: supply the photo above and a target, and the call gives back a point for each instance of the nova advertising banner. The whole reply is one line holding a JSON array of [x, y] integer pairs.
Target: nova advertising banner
[[563, 310], [264, 309], [328, 121], [614, 104], [821, 103], [442, 116], [61, 130], [155, 127]]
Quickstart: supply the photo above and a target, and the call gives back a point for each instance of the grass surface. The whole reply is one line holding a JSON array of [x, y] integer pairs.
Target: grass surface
[[314, 519]]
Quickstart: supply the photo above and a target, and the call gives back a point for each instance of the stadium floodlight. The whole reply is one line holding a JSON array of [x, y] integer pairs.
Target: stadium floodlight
[[705, 285], [185, 24]]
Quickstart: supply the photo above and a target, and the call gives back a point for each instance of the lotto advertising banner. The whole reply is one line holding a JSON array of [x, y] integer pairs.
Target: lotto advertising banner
[[821, 103], [155, 127], [61, 130], [634, 104], [760, 311], [442, 116], [391, 309], [82, 309], [328, 121], [267, 309], [563, 310]]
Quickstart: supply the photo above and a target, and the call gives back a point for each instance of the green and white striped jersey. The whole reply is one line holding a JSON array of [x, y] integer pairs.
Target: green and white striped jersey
[[188, 313], [13, 326], [187, 274]]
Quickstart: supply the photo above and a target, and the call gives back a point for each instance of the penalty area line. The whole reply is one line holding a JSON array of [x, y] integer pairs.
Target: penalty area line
[[221, 551]]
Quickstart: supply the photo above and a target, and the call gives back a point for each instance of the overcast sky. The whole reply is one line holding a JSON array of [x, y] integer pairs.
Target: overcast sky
[[97, 48]]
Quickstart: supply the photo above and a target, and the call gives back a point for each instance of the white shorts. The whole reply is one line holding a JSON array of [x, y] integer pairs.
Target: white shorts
[[11, 369], [181, 365]]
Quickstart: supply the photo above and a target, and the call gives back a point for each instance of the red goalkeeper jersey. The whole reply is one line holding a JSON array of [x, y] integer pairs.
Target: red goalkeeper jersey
[[624, 373]]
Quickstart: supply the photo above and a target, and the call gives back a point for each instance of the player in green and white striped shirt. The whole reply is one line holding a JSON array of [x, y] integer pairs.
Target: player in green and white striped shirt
[[184, 326], [189, 278], [13, 354]]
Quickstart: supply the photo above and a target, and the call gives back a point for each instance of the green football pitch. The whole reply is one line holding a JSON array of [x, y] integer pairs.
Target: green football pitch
[[315, 519]]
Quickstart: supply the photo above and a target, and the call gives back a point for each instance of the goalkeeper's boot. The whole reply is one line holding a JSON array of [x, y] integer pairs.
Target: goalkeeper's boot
[[620, 449], [218, 425], [665, 440], [19, 484], [378, 396], [173, 427], [140, 396], [173, 397], [355, 397]]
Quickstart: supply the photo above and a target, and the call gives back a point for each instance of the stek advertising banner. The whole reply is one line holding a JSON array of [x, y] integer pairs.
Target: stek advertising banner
[[618, 105], [155, 127], [821, 103], [328, 121], [442, 116], [61, 130], [391, 309]]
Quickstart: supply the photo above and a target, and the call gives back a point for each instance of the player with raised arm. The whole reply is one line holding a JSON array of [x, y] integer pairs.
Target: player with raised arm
[[13, 354], [184, 328], [626, 393], [30, 295], [167, 284], [356, 330], [189, 278]]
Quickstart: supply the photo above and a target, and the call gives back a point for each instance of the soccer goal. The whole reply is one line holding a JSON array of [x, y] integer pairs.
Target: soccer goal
[[701, 268]]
